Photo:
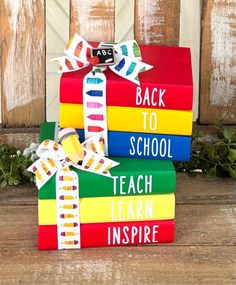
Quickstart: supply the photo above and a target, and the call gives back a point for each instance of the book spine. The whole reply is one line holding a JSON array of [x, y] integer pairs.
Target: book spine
[[112, 234], [122, 184], [120, 209], [127, 119], [126, 94], [150, 146]]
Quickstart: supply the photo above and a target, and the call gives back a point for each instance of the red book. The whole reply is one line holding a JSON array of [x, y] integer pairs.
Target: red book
[[168, 85], [112, 234]]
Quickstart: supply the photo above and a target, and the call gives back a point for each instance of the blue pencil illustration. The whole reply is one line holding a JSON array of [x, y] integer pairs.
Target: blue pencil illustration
[[131, 68], [124, 50], [91, 80], [95, 93], [120, 65]]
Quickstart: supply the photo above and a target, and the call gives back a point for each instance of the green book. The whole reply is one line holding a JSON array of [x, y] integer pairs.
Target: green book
[[132, 176]]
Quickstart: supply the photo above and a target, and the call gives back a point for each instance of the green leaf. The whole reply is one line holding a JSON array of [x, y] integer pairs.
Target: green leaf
[[212, 171], [232, 173], [232, 154], [228, 133]]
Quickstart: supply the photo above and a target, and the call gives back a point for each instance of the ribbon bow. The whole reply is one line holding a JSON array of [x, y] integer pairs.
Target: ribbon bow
[[127, 58], [53, 158]]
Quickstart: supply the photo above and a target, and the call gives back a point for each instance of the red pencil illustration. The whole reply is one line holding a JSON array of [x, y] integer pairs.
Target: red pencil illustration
[[96, 117], [95, 129], [78, 49]]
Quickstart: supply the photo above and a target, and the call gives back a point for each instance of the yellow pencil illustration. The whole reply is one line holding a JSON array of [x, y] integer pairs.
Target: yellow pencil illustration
[[67, 216], [107, 169], [51, 162], [93, 147], [70, 242], [89, 163], [69, 188], [73, 206], [45, 169], [55, 146], [71, 144], [100, 164], [68, 234], [66, 197], [66, 178], [46, 143], [37, 173], [102, 143], [70, 225]]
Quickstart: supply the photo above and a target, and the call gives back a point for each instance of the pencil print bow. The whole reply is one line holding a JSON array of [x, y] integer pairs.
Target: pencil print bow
[[126, 62], [52, 158]]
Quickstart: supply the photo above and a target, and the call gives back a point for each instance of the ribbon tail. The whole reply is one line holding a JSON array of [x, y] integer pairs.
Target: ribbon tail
[[94, 106], [68, 209]]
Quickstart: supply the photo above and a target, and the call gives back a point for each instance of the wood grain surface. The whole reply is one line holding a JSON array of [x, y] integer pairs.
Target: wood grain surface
[[218, 61], [157, 22], [204, 251], [99, 16], [22, 62]]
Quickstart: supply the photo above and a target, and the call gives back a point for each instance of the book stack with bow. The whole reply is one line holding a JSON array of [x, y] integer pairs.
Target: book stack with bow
[[149, 126]]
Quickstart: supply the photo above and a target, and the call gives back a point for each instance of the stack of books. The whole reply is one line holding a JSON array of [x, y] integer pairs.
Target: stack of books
[[149, 126], [153, 120], [137, 206]]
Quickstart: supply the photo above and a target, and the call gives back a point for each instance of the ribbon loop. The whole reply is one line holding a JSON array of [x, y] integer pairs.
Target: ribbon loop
[[51, 149]]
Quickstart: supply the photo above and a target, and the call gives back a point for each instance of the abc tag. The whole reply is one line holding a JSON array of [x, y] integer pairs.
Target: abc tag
[[103, 56]]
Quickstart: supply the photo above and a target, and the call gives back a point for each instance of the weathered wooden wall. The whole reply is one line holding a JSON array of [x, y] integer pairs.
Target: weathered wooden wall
[[93, 19], [165, 22], [154, 23], [218, 61], [22, 25]]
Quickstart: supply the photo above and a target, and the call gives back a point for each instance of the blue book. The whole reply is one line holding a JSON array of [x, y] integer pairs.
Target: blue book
[[143, 145]]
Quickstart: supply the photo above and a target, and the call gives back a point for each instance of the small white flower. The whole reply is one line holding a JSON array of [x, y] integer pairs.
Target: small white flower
[[31, 150]]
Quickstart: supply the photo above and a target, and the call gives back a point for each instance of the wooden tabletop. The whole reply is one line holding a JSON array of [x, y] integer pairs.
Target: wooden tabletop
[[204, 250]]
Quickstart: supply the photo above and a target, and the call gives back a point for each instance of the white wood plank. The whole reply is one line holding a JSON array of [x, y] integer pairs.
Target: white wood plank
[[190, 24], [57, 34], [124, 20]]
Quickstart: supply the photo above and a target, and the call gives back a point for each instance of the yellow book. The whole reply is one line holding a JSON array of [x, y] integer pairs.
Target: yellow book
[[118, 209], [142, 120]]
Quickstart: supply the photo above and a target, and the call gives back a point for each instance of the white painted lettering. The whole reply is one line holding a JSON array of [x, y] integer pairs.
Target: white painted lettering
[[148, 184], [125, 231], [144, 120], [161, 102], [154, 233], [146, 234], [139, 189], [163, 148], [114, 184], [138, 96], [132, 151], [154, 91]]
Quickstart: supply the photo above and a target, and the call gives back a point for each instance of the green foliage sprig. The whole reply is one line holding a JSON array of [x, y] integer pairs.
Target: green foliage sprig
[[13, 165], [216, 158]]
